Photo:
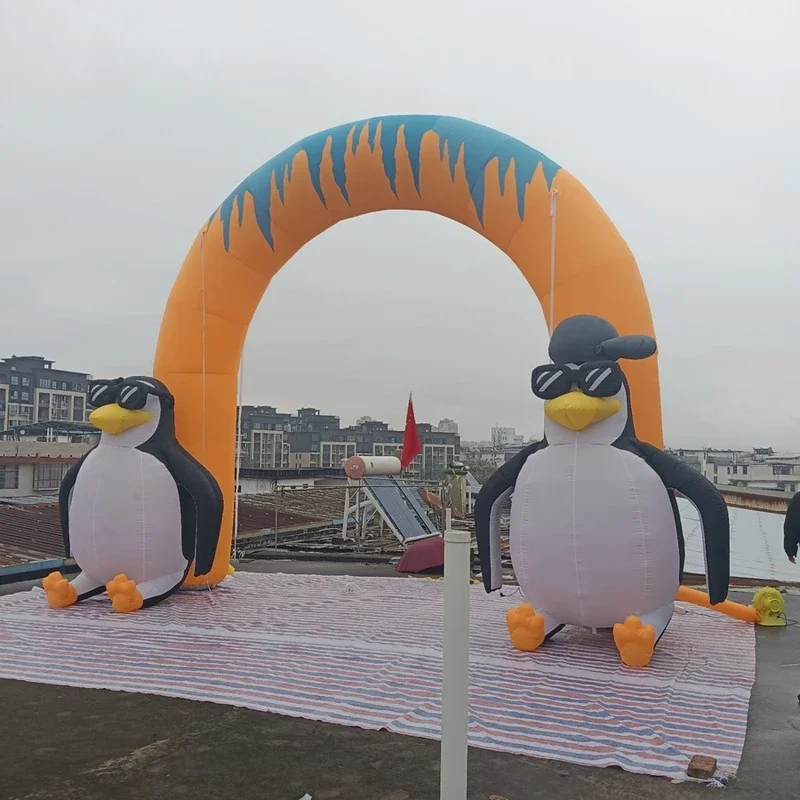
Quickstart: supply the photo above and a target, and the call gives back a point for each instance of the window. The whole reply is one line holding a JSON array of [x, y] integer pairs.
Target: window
[[15, 380], [781, 469], [44, 383], [9, 476], [64, 386], [25, 397], [26, 381], [49, 476], [735, 470], [744, 469]]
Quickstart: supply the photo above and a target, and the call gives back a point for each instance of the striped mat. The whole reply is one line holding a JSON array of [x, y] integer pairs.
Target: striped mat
[[367, 652]]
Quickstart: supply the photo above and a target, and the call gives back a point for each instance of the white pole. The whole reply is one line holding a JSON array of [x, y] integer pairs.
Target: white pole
[[455, 663], [346, 510]]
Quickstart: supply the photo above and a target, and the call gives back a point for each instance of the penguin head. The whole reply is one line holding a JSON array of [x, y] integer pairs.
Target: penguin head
[[584, 389], [131, 411]]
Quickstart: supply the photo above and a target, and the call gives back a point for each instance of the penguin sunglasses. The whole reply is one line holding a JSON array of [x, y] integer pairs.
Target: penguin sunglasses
[[130, 394], [595, 379]]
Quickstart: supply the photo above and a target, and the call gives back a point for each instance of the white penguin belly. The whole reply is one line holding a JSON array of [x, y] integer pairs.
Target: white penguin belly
[[593, 536], [124, 516]]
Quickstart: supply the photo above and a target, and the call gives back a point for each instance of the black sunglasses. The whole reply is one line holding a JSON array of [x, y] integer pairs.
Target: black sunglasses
[[595, 379], [129, 394]]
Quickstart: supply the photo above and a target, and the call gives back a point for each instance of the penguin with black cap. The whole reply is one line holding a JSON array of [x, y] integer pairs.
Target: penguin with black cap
[[137, 510], [596, 538]]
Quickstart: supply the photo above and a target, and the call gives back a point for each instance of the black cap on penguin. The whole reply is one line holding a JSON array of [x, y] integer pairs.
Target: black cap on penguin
[[584, 338]]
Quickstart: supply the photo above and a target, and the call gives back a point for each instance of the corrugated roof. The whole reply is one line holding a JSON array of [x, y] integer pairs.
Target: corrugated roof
[[29, 533], [295, 507], [30, 529], [28, 501]]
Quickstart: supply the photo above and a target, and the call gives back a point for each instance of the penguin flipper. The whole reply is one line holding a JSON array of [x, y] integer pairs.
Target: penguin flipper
[[201, 507], [791, 527], [679, 530], [710, 505], [64, 497], [487, 523]]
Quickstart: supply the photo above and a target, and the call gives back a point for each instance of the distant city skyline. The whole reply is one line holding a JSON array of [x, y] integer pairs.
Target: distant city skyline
[[396, 418]]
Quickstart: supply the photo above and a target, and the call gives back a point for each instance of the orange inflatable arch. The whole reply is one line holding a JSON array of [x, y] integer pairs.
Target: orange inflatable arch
[[490, 182]]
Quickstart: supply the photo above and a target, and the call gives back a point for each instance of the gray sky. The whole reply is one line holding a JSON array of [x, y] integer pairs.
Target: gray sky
[[124, 124]]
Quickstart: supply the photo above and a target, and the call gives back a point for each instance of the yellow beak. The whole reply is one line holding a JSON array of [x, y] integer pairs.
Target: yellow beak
[[577, 411], [115, 419]]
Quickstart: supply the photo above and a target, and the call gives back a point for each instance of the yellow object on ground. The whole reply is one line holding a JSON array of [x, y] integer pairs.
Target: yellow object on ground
[[767, 607], [770, 605]]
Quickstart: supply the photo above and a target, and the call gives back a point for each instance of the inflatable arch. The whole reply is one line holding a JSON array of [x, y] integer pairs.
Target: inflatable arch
[[490, 182]]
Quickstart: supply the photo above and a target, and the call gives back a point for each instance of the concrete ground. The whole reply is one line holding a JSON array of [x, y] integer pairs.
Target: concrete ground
[[65, 743]]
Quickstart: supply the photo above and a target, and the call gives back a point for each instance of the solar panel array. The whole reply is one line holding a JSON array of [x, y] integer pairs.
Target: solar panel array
[[401, 507]]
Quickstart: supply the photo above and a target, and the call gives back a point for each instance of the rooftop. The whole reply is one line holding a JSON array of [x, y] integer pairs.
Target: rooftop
[[173, 748]]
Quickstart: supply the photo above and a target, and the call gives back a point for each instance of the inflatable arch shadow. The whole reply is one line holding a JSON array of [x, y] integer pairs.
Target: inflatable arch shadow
[[490, 182]]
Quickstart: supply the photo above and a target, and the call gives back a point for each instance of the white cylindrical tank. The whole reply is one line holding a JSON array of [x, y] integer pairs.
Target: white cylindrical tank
[[357, 467]]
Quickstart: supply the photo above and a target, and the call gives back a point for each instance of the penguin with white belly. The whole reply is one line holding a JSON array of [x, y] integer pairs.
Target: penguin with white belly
[[137, 510], [596, 537]]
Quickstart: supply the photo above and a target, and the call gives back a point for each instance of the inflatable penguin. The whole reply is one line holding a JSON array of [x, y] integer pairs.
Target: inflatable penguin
[[137, 510], [596, 537]]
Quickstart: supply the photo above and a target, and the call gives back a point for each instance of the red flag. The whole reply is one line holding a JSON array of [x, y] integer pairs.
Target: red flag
[[411, 446]]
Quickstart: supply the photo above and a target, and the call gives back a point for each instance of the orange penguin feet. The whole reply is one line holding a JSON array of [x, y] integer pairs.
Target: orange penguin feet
[[635, 642], [59, 592], [124, 595], [526, 628]]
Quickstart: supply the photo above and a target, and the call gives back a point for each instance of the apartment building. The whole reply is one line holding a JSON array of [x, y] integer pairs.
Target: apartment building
[[35, 468], [265, 441], [761, 468], [447, 425], [273, 440], [32, 391], [505, 437]]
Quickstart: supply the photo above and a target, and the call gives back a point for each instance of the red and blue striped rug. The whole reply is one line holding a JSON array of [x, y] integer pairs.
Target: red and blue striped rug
[[367, 652]]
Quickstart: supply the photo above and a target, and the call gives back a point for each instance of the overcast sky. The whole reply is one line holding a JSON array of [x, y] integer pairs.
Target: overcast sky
[[124, 124]]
